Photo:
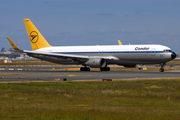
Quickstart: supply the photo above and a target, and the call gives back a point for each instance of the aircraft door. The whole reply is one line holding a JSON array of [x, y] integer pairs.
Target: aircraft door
[[100, 52], [153, 52]]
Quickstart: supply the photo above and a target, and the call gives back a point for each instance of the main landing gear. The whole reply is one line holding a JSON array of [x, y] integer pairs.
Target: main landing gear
[[105, 69], [84, 69], [161, 69], [88, 69]]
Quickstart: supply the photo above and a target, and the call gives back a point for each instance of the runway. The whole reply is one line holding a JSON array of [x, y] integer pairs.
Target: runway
[[40, 73]]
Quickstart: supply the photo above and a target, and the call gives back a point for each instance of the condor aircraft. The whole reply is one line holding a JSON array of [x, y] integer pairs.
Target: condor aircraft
[[95, 56]]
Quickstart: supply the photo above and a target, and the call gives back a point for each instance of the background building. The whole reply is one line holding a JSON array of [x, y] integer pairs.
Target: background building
[[11, 54]]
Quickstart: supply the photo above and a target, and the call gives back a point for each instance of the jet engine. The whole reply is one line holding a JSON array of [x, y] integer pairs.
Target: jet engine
[[96, 63]]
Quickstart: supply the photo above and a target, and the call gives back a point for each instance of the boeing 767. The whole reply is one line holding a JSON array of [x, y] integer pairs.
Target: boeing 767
[[95, 56]]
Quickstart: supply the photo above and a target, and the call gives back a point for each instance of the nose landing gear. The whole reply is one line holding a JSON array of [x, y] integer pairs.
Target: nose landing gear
[[162, 68]]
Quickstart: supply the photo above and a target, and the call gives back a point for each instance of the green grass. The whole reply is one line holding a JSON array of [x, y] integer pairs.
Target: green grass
[[136, 99]]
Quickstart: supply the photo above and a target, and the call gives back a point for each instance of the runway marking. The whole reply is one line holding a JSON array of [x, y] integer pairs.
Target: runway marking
[[71, 75], [51, 69]]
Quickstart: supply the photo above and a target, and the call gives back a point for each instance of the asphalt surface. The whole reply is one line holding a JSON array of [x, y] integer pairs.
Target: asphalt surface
[[58, 73]]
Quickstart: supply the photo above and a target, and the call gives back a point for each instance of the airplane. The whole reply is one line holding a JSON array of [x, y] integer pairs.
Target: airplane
[[99, 56]]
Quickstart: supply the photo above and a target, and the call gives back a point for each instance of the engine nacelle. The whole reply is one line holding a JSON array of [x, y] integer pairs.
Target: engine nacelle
[[96, 62]]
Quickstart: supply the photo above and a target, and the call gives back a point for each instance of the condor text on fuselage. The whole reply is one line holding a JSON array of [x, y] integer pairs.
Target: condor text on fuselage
[[144, 48]]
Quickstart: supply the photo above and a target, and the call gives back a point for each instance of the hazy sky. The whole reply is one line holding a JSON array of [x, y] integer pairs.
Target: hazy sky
[[92, 22]]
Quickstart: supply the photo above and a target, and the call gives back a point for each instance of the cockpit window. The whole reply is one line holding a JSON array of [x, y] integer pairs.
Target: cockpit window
[[167, 50]]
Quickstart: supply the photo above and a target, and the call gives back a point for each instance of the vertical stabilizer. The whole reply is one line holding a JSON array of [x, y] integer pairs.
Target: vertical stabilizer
[[36, 39]]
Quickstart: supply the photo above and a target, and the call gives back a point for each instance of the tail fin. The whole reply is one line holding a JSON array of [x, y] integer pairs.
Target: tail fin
[[36, 39]]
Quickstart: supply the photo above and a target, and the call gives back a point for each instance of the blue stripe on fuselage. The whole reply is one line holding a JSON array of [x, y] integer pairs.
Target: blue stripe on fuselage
[[101, 52]]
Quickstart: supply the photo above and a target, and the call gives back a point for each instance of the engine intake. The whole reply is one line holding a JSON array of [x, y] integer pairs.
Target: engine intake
[[96, 62]]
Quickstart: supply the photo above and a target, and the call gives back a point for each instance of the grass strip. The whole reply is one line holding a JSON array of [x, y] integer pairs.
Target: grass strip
[[133, 99]]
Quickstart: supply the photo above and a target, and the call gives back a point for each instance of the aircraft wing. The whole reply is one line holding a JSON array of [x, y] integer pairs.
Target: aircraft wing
[[80, 58], [13, 45], [63, 56]]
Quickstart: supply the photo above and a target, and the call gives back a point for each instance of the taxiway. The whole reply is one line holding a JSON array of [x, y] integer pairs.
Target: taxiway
[[40, 73]]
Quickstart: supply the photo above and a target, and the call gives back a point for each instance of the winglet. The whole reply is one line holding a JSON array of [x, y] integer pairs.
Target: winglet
[[13, 45], [119, 42]]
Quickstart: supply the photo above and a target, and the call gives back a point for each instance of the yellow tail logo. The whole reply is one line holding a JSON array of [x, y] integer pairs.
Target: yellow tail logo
[[36, 39]]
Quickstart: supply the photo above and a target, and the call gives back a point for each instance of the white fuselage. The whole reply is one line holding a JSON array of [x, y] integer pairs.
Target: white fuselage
[[127, 54]]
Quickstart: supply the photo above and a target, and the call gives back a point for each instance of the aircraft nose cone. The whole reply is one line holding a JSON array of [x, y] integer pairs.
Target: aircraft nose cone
[[173, 55]]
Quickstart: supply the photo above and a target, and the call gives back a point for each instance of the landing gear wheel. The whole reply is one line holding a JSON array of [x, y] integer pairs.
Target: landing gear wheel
[[102, 69], [161, 70], [105, 69], [108, 69], [84, 69]]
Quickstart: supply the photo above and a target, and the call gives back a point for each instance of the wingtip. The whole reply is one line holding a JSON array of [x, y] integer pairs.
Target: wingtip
[[13, 45], [8, 39]]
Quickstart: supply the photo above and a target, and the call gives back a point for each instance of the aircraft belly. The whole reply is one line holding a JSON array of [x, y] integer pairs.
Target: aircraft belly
[[140, 58], [124, 58]]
